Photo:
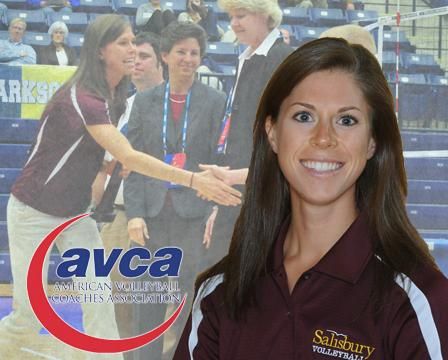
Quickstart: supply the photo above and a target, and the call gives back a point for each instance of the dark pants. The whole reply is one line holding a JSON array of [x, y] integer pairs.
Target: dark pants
[[169, 229]]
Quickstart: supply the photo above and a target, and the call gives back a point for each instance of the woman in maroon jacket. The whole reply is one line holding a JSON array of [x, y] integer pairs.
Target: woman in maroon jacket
[[324, 262]]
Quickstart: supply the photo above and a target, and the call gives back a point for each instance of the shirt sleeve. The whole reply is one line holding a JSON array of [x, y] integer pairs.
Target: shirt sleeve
[[419, 326], [30, 57], [94, 109], [7, 53], [200, 338]]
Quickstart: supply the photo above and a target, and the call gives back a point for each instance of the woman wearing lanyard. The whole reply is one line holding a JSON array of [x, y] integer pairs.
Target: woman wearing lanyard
[[179, 123], [255, 24]]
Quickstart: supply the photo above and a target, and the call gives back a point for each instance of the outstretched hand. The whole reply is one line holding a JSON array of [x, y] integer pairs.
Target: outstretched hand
[[229, 176], [220, 172], [210, 187]]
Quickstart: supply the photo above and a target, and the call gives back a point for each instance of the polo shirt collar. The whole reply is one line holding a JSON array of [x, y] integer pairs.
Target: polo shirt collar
[[15, 42], [346, 260], [263, 48]]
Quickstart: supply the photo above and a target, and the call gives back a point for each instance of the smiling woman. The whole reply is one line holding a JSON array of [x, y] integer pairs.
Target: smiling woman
[[178, 122], [76, 127], [323, 140], [324, 261]]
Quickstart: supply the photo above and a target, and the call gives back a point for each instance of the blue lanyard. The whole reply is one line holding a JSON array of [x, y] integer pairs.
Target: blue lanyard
[[229, 102], [165, 119], [225, 125]]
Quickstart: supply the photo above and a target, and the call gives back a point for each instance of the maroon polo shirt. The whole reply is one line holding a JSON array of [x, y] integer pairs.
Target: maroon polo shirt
[[65, 159], [328, 315]]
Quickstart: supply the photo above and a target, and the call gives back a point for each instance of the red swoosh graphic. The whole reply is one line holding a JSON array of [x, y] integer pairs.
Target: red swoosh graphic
[[63, 331]]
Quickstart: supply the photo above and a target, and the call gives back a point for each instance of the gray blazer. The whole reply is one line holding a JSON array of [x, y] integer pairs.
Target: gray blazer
[[144, 196]]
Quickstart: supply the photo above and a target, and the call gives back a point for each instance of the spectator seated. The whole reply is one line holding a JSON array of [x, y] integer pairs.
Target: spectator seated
[[51, 6], [35, 19]]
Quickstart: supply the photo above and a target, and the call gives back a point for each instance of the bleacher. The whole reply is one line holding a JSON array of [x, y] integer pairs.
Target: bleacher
[[16, 136], [427, 201], [422, 84]]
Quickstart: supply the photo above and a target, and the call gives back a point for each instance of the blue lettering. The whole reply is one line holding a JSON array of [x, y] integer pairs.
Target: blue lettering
[[166, 266], [125, 262], [167, 262], [102, 268], [80, 263]]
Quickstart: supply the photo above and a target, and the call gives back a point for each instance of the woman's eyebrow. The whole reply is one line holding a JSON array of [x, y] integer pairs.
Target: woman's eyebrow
[[312, 107], [347, 108], [309, 106]]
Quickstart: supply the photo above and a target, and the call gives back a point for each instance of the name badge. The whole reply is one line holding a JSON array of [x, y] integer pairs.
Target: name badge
[[177, 160]]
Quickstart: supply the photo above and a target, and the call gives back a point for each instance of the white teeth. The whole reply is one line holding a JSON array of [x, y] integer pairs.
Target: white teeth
[[321, 166]]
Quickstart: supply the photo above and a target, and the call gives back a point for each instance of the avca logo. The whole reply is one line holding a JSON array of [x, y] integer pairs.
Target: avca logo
[[337, 345], [76, 267]]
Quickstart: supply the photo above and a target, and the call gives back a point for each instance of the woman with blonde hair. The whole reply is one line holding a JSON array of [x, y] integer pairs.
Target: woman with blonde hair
[[255, 23]]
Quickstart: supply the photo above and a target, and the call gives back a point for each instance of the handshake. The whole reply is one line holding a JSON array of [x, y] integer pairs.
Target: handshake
[[225, 175]]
